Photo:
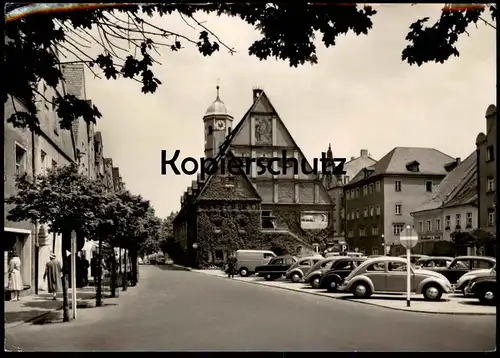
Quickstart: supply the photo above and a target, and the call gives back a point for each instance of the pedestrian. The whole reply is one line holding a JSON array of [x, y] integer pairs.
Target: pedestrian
[[94, 267], [85, 269], [15, 280], [231, 265], [52, 274]]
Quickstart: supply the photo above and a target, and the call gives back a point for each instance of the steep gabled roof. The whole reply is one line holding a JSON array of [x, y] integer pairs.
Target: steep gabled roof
[[431, 162], [224, 150], [457, 188], [244, 175]]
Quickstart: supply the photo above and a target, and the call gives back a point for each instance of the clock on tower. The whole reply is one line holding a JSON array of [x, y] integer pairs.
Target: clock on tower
[[220, 125]]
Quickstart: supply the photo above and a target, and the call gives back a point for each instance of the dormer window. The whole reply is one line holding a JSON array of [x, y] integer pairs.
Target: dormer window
[[413, 166], [368, 171]]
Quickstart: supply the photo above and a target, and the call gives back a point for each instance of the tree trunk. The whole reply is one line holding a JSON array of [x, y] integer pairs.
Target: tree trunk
[[98, 296], [124, 279], [113, 274], [135, 276], [64, 281]]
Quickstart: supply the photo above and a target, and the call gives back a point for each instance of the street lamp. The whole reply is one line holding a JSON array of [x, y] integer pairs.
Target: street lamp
[[195, 246]]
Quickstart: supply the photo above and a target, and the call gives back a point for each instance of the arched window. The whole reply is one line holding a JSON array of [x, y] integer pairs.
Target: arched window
[[210, 130]]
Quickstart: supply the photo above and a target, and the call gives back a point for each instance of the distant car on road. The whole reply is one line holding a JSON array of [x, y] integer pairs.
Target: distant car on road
[[484, 288], [414, 257], [248, 260], [388, 274], [300, 269], [462, 265], [276, 268], [340, 269], [313, 277]]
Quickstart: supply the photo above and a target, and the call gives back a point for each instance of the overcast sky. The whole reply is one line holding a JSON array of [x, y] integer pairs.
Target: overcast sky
[[359, 95]]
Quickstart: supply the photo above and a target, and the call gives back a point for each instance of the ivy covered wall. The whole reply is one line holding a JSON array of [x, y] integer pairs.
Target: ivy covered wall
[[288, 217]]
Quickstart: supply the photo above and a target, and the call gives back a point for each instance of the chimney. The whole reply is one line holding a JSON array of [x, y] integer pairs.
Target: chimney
[[256, 93], [364, 152], [458, 160]]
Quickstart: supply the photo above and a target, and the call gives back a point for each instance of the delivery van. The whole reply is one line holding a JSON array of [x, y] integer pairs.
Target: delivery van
[[247, 260]]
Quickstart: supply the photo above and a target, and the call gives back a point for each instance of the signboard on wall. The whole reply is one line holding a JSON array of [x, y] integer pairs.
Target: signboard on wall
[[314, 220]]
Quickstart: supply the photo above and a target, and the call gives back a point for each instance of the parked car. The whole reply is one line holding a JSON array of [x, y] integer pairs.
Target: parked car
[[313, 277], [248, 260], [350, 254], [465, 279], [414, 257], [388, 274], [276, 268], [463, 264], [339, 270], [435, 262], [484, 288], [298, 270], [332, 254]]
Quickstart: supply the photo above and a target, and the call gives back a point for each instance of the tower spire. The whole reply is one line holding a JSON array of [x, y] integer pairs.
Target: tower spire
[[218, 80]]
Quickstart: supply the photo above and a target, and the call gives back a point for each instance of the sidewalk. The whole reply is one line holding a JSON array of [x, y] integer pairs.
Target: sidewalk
[[34, 307], [450, 304]]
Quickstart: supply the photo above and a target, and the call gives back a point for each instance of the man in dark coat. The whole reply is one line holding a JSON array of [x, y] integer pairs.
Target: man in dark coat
[[94, 265], [84, 269], [231, 265]]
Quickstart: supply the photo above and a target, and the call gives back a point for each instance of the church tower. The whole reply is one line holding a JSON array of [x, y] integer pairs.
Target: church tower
[[218, 124]]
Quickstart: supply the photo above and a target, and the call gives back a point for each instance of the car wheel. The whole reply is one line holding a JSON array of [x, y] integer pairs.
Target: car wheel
[[270, 278], [315, 282], [486, 296], [332, 286], [361, 290], [243, 272], [296, 278], [432, 292]]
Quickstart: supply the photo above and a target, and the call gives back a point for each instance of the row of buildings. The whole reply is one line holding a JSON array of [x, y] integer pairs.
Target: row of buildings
[[34, 154], [365, 209]]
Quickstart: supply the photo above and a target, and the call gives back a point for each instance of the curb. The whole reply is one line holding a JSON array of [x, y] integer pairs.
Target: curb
[[34, 319], [359, 301], [183, 267], [39, 317], [422, 311]]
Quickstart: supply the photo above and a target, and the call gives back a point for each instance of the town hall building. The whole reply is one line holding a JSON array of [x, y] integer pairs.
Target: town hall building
[[285, 208]]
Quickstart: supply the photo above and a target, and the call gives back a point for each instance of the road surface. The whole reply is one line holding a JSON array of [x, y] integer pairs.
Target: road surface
[[180, 310]]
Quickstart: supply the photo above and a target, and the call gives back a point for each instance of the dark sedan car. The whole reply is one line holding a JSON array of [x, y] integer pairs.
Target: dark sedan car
[[339, 270], [463, 264], [276, 268], [483, 288], [434, 262]]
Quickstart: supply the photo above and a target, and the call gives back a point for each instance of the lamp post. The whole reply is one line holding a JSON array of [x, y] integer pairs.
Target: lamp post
[[195, 247]]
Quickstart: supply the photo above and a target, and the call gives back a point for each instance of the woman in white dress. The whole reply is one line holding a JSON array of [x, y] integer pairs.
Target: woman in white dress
[[15, 279]]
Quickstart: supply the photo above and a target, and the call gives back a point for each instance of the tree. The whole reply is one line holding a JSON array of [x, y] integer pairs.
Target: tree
[[288, 32], [477, 238], [167, 234], [63, 199]]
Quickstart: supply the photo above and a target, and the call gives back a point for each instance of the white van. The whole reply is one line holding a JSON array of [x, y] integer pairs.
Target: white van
[[247, 260]]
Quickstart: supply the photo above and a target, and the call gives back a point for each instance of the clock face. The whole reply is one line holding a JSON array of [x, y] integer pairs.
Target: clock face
[[220, 124]]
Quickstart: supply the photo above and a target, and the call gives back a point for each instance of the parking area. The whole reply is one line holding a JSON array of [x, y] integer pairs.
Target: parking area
[[449, 304]]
